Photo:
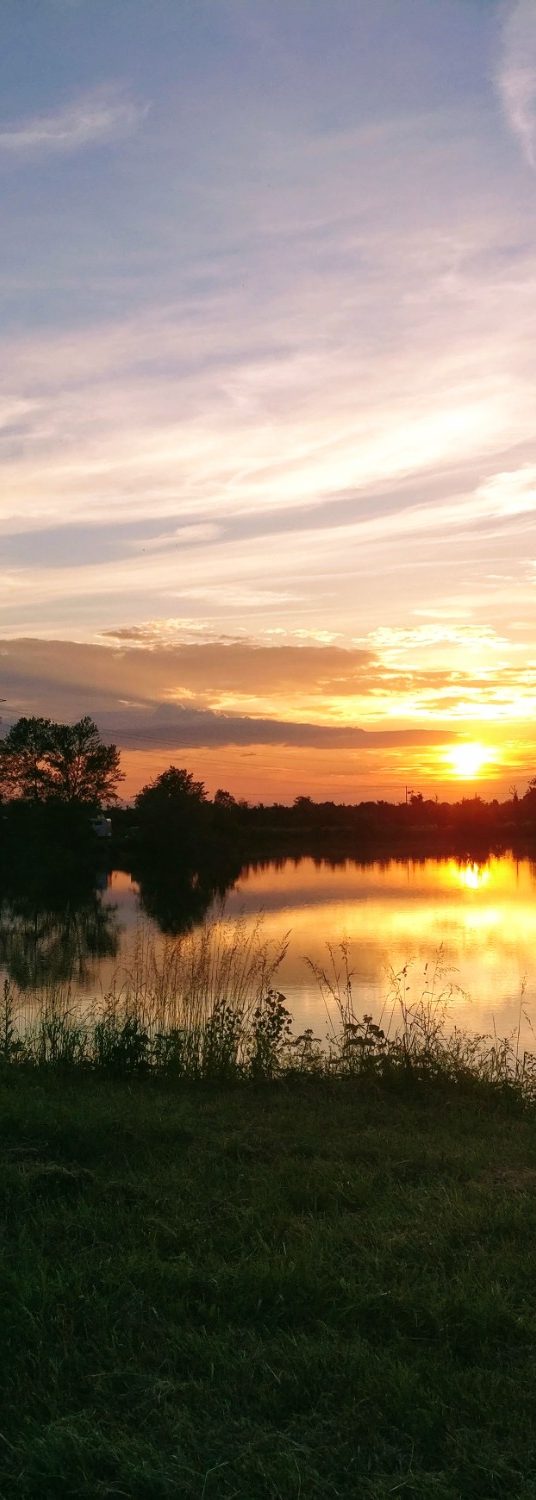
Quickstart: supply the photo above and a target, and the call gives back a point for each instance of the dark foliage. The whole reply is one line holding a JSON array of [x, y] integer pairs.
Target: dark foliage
[[172, 815], [41, 761]]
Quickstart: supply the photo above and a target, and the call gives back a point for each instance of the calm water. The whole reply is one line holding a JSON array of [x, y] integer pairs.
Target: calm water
[[483, 917]]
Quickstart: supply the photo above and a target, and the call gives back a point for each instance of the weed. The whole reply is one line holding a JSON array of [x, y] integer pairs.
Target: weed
[[207, 1008]]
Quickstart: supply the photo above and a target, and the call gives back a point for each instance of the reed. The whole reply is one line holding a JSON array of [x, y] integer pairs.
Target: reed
[[206, 1006], [414, 1037]]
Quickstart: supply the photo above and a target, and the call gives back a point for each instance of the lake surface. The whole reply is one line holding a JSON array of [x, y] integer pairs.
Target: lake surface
[[481, 918]]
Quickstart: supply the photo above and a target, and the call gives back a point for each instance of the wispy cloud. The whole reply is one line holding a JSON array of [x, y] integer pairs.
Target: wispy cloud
[[516, 79], [311, 401], [94, 118]]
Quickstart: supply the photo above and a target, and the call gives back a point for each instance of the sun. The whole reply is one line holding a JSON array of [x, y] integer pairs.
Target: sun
[[467, 760]]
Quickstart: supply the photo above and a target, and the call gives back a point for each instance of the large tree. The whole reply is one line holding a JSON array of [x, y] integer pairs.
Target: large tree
[[81, 767], [23, 754], [171, 811], [41, 761]]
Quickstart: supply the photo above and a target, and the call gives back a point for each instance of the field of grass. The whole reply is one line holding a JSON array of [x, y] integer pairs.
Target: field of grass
[[307, 1289]]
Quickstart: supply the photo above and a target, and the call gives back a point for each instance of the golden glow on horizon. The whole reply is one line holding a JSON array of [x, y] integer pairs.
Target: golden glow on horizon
[[466, 761], [270, 773]]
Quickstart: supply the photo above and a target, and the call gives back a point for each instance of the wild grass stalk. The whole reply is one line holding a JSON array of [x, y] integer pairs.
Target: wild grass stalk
[[413, 1037], [206, 1006], [202, 1005]]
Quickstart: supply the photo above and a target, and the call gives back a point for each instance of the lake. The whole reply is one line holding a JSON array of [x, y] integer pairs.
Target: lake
[[481, 919]]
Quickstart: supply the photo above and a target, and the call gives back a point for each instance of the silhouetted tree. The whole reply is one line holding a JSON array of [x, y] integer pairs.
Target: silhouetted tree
[[225, 814], [81, 767], [171, 812], [41, 761], [224, 800], [23, 754]]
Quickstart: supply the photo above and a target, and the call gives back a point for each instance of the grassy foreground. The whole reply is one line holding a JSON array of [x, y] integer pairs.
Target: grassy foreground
[[306, 1288]]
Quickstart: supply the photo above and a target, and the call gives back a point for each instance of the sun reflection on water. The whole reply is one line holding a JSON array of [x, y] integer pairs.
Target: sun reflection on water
[[473, 876], [480, 915]]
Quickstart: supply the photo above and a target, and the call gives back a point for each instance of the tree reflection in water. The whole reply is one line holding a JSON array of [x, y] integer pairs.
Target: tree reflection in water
[[51, 934], [177, 899], [55, 927]]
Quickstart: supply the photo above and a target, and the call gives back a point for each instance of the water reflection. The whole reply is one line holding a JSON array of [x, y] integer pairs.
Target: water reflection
[[473, 875], [482, 915], [49, 947], [55, 929], [50, 935], [177, 900]]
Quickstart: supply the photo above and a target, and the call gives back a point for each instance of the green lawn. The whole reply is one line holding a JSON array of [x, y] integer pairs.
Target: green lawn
[[308, 1289]]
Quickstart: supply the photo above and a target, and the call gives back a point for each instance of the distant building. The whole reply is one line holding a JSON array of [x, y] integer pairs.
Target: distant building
[[102, 826]]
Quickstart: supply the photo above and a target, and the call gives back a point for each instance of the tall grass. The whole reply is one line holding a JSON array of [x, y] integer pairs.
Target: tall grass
[[202, 1005], [413, 1037], [206, 1006]]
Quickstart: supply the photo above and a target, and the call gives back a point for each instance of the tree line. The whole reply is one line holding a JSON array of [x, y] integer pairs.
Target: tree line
[[47, 767]]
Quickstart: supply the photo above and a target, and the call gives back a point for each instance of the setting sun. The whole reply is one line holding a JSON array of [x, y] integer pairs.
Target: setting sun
[[466, 761]]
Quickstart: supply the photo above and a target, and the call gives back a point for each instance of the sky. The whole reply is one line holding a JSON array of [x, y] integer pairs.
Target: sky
[[268, 388]]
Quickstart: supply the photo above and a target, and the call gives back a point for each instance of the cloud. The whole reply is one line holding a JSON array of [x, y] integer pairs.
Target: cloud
[[128, 691], [91, 120], [138, 667], [346, 394], [182, 728], [516, 78], [155, 696]]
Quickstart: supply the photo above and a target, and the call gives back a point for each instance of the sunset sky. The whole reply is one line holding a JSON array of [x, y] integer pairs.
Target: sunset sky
[[268, 387]]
